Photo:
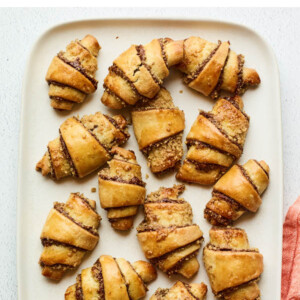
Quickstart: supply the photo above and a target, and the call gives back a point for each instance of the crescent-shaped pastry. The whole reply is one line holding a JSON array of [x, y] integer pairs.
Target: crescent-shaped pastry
[[168, 236], [71, 230], [211, 67], [158, 127], [236, 192], [71, 74], [83, 145], [112, 279], [121, 188], [138, 73], [182, 291], [232, 266], [214, 142]]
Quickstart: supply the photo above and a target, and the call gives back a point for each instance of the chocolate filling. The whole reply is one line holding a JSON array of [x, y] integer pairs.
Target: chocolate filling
[[85, 201], [110, 92], [79, 292], [245, 174], [115, 69], [126, 161], [138, 275], [232, 289], [145, 227], [211, 118], [177, 266], [216, 92], [60, 208], [148, 148], [162, 43], [77, 66], [215, 248], [133, 180], [262, 167], [92, 134], [124, 280], [115, 123], [49, 242], [216, 219], [188, 79], [233, 102], [78, 42], [61, 99], [64, 85], [166, 200], [142, 55], [161, 293], [63, 267], [207, 167], [67, 155], [201, 145], [53, 175], [236, 205], [97, 274], [240, 82], [189, 289]]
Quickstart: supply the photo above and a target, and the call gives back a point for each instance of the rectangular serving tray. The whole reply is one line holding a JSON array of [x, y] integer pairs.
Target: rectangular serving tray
[[40, 123]]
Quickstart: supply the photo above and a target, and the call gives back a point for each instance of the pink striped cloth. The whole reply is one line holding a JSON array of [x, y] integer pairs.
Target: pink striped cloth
[[290, 282]]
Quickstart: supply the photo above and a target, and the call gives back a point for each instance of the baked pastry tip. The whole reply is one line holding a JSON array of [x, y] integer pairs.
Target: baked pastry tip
[[71, 74], [71, 229]]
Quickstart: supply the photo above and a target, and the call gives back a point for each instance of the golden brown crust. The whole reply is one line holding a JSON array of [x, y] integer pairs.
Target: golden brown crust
[[232, 266], [214, 142], [238, 191], [121, 189], [138, 73], [158, 127], [83, 146], [69, 231], [167, 235], [182, 291], [112, 279], [71, 73], [211, 67]]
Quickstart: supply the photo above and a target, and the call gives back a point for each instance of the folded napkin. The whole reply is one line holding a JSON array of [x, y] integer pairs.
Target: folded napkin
[[290, 282]]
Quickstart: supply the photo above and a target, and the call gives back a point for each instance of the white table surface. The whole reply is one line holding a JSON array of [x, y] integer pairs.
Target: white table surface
[[19, 29]]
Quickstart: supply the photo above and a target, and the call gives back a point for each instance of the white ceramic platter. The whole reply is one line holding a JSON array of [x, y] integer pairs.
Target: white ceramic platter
[[40, 124]]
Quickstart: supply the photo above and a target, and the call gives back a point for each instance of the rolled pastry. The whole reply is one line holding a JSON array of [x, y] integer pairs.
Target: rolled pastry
[[112, 279], [121, 188], [211, 67], [232, 266], [238, 191], [158, 127], [168, 237], [71, 230], [83, 145], [71, 74], [214, 142], [137, 74], [182, 291]]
